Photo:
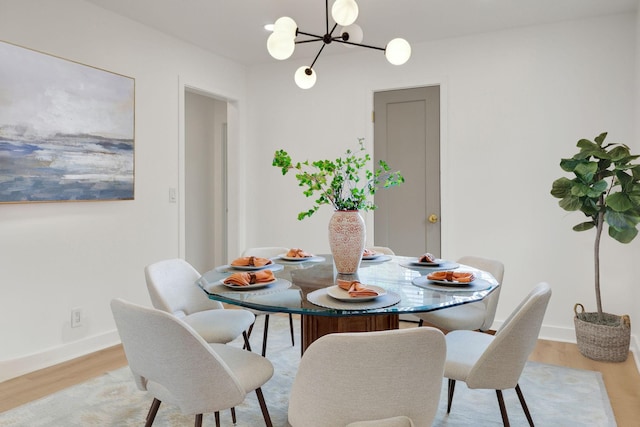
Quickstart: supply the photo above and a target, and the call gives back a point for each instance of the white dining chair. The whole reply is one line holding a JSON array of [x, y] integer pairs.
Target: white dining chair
[[382, 250], [485, 361], [474, 316], [174, 364], [268, 252], [172, 288], [392, 376]]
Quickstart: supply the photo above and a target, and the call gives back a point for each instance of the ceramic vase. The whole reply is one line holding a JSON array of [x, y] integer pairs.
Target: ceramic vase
[[347, 235]]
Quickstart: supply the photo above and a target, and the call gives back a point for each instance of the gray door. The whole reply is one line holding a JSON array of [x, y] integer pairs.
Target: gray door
[[407, 137]]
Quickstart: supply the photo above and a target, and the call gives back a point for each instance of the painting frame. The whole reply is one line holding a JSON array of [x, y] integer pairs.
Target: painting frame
[[67, 129]]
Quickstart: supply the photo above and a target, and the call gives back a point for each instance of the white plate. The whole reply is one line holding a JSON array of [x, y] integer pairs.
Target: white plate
[[451, 283], [290, 258], [371, 257], [248, 287], [475, 286], [445, 265], [251, 267], [436, 263], [340, 294]]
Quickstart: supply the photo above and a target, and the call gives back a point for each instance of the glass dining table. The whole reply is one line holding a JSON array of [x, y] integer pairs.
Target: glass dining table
[[308, 287]]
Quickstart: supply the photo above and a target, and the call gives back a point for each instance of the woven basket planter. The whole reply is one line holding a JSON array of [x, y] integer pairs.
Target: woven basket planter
[[605, 339]]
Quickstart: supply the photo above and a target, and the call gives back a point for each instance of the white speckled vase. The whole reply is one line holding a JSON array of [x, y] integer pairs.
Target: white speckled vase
[[347, 234]]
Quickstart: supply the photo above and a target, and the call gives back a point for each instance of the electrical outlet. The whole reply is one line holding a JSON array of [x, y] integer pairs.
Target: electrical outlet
[[76, 317]]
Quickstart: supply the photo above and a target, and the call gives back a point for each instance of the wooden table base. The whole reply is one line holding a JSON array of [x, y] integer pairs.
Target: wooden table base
[[313, 327]]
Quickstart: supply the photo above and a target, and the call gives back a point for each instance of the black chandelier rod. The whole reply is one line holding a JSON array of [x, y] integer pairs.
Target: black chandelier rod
[[328, 38]]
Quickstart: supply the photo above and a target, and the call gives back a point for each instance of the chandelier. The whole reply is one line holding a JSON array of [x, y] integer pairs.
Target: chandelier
[[281, 43]]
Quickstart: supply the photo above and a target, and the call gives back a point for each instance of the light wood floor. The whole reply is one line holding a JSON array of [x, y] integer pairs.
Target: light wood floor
[[622, 380]]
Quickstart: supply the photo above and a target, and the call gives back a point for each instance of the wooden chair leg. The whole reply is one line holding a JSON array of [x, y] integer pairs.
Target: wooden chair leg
[[233, 415], [247, 345], [264, 335], [451, 385], [198, 420], [420, 322], [524, 405], [263, 407], [217, 416], [293, 342], [503, 409], [153, 410]]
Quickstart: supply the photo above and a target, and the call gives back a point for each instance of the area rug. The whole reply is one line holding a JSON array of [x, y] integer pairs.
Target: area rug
[[556, 396]]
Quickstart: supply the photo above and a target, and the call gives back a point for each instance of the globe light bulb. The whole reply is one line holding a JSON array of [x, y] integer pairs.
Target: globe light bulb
[[398, 51], [280, 45], [344, 12], [305, 77], [355, 34], [285, 25]]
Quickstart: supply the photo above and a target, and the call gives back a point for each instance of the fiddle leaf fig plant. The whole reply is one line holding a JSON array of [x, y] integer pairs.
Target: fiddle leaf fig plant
[[606, 188], [345, 183]]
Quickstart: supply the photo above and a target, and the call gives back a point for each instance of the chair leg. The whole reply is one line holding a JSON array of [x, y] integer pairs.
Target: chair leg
[[263, 407], [217, 416], [246, 339], [153, 410], [524, 405], [451, 385], [293, 342], [198, 420], [503, 409], [420, 322], [247, 345], [233, 415], [264, 335]]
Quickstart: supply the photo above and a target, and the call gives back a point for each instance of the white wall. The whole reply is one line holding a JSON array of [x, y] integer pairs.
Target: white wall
[[56, 256], [513, 103]]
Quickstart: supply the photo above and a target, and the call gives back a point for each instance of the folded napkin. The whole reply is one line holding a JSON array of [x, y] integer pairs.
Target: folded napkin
[[427, 257], [368, 252], [451, 276], [356, 289], [251, 261], [250, 278], [298, 253]]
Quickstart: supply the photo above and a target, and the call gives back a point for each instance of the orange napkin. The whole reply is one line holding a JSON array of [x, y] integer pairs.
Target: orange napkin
[[426, 258], [368, 252], [356, 289], [250, 278], [252, 261], [451, 276], [298, 253]]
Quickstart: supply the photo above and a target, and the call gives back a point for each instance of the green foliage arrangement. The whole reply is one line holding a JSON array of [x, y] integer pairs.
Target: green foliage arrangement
[[606, 189], [338, 182]]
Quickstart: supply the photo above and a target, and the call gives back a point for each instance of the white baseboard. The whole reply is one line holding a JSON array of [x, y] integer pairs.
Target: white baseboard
[[13, 368]]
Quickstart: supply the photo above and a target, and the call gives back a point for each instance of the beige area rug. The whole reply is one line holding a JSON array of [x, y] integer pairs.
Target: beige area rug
[[556, 397]]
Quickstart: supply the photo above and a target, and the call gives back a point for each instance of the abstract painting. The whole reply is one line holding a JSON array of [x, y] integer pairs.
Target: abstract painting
[[66, 130]]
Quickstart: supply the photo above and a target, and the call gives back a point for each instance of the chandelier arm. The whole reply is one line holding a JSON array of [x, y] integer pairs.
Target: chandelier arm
[[309, 34], [326, 17], [339, 40], [307, 41], [316, 58]]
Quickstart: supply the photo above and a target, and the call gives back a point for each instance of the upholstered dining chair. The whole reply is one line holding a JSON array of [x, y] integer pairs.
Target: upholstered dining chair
[[172, 288], [383, 250], [485, 361], [382, 378], [473, 316], [268, 252], [174, 364]]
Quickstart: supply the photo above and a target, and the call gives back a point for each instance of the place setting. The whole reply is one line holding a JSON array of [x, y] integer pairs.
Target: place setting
[[353, 295], [451, 281], [243, 281], [249, 263], [297, 256], [370, 256], [428, 262]]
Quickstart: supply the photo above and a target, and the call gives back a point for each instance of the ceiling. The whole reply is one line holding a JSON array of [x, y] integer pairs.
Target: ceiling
[[234, 28]]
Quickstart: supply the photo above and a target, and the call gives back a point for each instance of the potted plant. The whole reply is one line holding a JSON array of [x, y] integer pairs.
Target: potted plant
[[606, 189], [345, 183]]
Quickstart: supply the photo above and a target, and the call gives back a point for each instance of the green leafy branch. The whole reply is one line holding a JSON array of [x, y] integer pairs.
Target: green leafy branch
[[339, 182]]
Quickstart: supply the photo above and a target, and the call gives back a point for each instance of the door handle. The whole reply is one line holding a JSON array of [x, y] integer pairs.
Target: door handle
[[433, 218]]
